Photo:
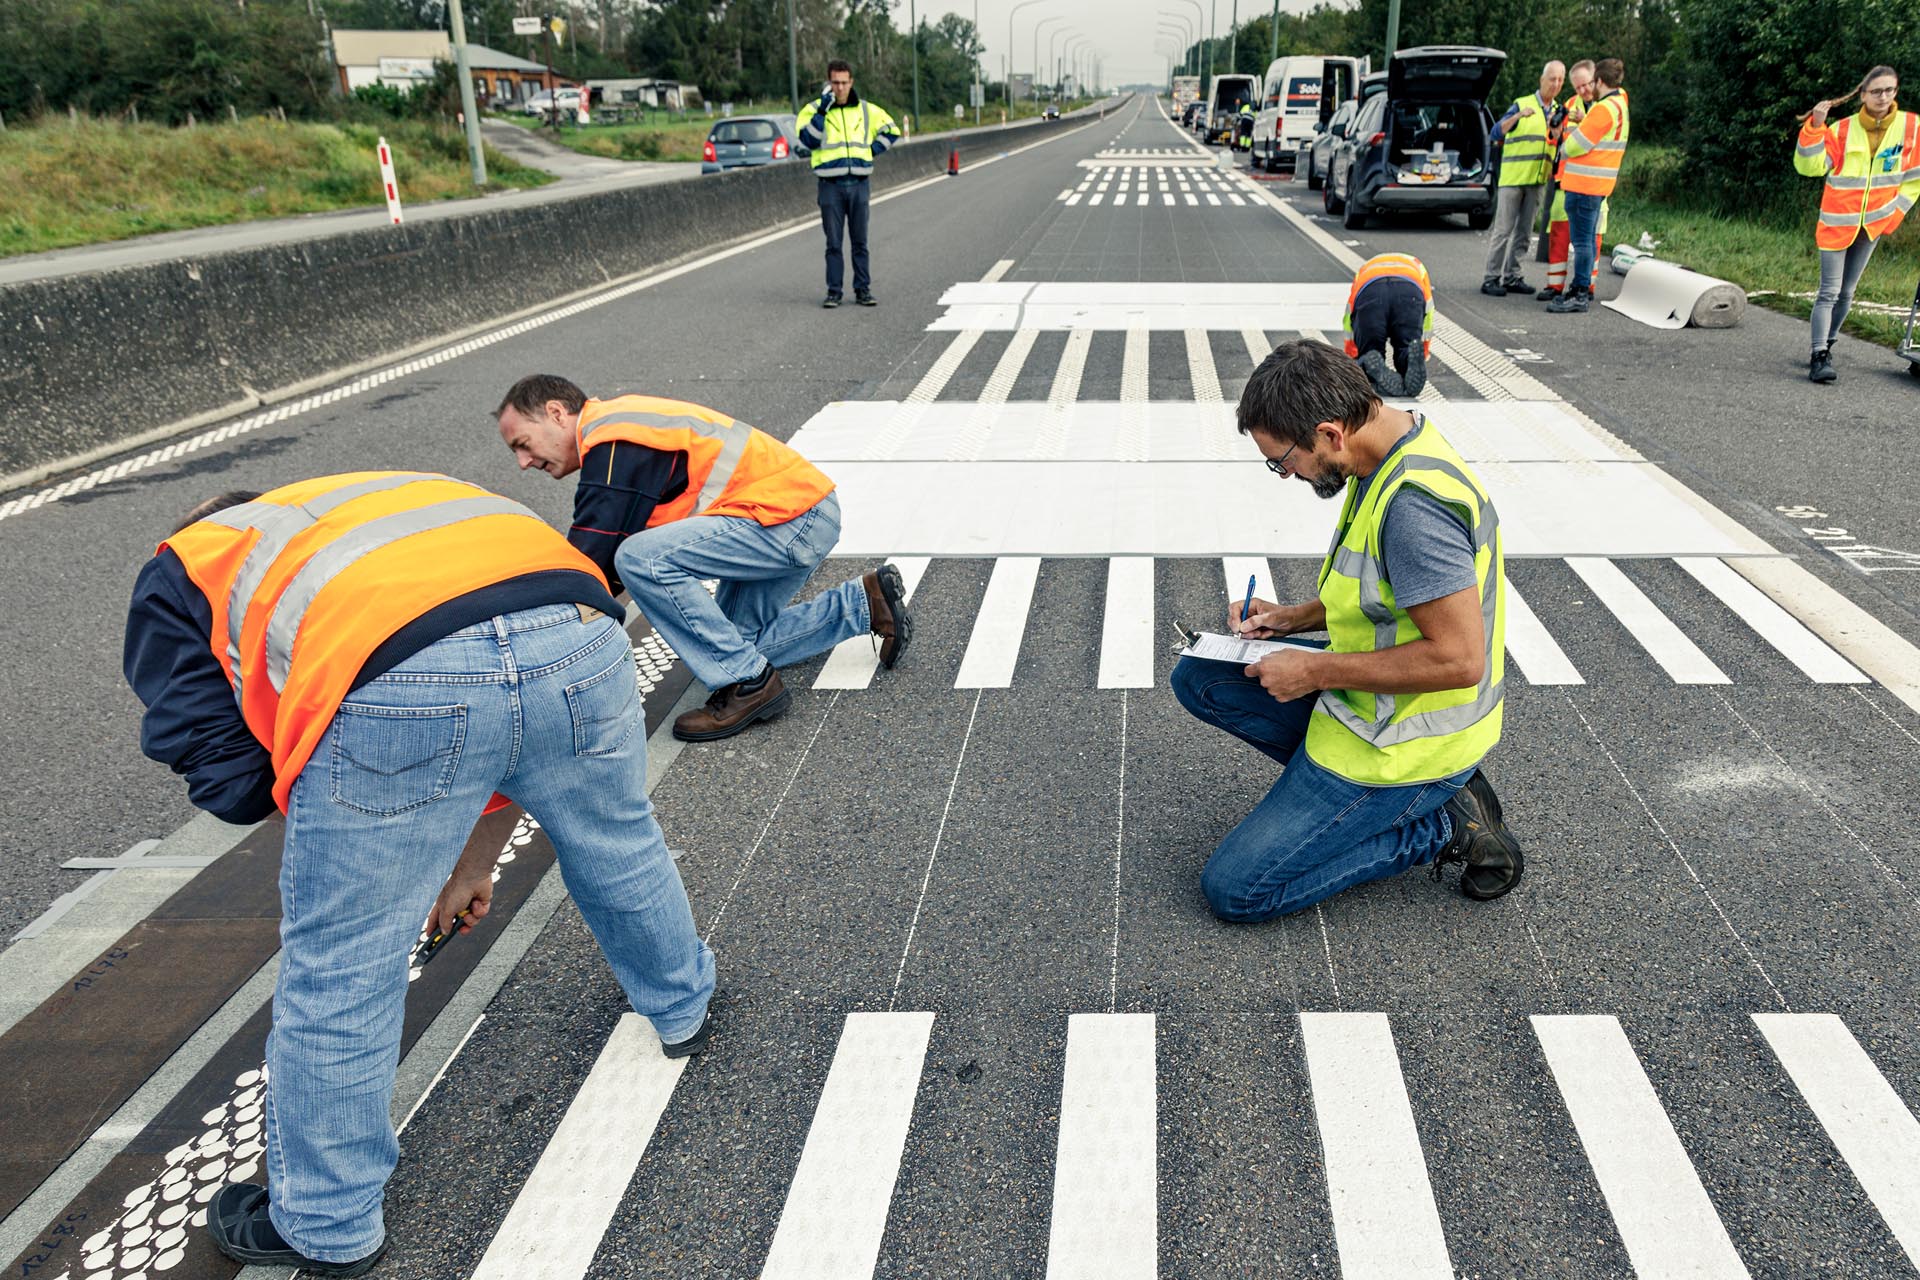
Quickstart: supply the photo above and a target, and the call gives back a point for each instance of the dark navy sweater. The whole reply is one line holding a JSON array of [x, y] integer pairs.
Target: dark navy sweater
[[620, 485], [193, 723]]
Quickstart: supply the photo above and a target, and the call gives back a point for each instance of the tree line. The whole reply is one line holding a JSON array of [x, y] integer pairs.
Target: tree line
[[166, 60]]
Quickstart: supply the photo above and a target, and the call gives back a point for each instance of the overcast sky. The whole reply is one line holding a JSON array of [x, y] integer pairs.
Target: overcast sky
[[1126, 32]]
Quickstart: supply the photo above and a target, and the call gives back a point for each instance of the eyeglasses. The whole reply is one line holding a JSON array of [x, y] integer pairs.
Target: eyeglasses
[[1279, 465], [1886, 92]]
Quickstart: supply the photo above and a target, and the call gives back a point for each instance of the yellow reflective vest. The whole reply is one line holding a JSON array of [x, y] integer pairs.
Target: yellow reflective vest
[[1390, 740], [842, 141], [1525, 153]]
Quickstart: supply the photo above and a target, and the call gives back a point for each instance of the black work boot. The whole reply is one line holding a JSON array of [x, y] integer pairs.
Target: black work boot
[[1493, 289], [1820, 368], [1573, 300], [238, 1222], [733, 707], [1547, 293], [887, 611], [1491, 856]]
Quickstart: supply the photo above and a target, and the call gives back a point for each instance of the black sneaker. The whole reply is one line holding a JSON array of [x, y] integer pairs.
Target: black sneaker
[[1493, 288], [693, 1044], [832, 301], [866, 299], [1491, 857], [1820, 368], [238, 1222]]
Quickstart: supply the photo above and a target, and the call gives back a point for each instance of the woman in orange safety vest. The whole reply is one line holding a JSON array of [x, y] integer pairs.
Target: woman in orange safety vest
[[1871, 163]]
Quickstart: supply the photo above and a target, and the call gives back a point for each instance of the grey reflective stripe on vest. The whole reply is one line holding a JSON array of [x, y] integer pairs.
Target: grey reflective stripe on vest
[[283, 627], [1812, 149], [733, 438], [1369, 572], [1592, 171], [278, 526], [1841, 219]]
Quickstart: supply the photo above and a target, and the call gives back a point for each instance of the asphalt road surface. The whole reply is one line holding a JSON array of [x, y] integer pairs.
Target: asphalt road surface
[[974, 1017]]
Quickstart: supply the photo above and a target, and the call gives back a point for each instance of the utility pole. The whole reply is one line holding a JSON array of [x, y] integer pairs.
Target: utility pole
[[1213, 34], [1233, 40], [979, 93], [793, 60], [476, 150], [916, 62], [1275, 54], [1393, 27]]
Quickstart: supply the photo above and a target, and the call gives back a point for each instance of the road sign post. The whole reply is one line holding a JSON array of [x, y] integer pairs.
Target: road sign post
[[388, 182]]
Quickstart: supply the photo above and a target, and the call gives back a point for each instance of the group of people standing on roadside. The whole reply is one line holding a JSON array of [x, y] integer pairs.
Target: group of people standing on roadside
[[1870, 161], [1578, 144]]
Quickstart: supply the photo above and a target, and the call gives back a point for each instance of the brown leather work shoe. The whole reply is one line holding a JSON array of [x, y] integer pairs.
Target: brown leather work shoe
[[887, 605], [729, 710]]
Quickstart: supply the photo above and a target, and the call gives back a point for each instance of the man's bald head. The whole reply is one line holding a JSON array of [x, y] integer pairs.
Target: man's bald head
[[1553, 77]]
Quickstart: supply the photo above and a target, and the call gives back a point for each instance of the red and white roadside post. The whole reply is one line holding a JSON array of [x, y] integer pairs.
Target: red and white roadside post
[[387, 181]]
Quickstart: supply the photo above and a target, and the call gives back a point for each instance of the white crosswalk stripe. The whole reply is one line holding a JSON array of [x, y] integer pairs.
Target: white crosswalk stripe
[[1105, 1208], [994, 647], [1665, 1219], [1664, 642]]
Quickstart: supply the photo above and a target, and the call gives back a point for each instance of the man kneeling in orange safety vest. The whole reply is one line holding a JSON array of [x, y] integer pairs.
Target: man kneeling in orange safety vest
[[672, 494], [375, 654], [1391, 301]]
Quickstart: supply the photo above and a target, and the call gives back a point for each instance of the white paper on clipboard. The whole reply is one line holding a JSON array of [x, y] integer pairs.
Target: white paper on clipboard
[[1239, 649]]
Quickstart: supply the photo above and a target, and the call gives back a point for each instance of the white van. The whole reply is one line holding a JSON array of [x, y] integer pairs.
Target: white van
[[1301, 92]]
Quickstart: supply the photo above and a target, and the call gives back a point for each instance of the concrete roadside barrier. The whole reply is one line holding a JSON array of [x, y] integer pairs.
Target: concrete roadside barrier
[[93, 360]]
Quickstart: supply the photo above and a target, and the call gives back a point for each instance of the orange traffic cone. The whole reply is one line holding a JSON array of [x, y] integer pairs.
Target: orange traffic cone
[[953, 163]]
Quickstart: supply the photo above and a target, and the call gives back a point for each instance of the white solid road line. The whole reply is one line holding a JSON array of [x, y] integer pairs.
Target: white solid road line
[[1865, 1118], [1127, 635], [1200, 369], [1384, 1218], [1773, 624], [1001, 625], [836, 1208], [1664, 642], [554, 1227], [1238, 569], [1540, 658], [1665, 1219], [1105, 1222], [853, 661]]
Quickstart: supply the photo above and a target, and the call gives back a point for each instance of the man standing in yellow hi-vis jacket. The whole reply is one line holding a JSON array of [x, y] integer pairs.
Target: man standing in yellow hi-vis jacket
[[1381, 728], [842, 134]]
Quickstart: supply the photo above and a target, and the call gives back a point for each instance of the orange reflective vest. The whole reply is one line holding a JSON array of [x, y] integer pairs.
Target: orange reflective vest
[[1866, 191], [1395, 266], [307, 581], [1594, 149], [732, 469]]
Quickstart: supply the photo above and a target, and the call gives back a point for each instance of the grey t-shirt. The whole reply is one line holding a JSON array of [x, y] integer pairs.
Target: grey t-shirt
[[1426, 544]]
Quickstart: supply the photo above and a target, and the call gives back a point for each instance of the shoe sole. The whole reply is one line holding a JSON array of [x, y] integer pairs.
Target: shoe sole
[[772, 711], [287, 1258], [893, 589], [1483, 894]]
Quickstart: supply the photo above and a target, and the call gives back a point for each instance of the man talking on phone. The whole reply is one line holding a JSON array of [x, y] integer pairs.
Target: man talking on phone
[[843, 133]]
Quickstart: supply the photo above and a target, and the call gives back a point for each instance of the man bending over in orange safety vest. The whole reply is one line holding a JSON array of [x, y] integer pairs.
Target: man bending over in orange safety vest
[[673, 493], [374, 655]]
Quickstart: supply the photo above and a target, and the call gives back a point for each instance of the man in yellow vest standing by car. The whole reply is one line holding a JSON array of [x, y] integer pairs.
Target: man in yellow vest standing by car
[[374, 655], [673, 495], [843, 134], [1525, 161], [1593, 153], [1381, 729]]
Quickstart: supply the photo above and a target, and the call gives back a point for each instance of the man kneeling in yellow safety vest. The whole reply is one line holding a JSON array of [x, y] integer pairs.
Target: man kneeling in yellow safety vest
[[1381, 729]]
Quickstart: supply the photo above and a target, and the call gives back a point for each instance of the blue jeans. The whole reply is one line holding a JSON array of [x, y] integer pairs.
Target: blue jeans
[[1583, 224], [1315, 833], [539, 705], [748, 623], [843, 207]]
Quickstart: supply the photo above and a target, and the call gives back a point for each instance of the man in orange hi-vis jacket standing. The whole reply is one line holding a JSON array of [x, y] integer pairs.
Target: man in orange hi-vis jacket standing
[[1593, 154]]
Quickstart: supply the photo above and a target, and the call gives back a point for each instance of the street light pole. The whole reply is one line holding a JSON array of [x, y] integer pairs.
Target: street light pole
[[915, 22], [1233, 40], [1009, 85], [793, 59], [1036, 49], [978, 94], [1393, 27], [476, 150], [1274, 56], [1213, 34]]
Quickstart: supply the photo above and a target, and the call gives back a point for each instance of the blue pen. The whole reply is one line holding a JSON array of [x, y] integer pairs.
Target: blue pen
[[1248, 606]]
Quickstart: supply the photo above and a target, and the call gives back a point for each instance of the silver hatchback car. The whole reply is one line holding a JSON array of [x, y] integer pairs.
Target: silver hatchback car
[[740, 142]]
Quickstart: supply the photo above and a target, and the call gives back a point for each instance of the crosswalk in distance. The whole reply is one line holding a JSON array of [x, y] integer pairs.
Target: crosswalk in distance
[[1159, 183], [1104, 1208]]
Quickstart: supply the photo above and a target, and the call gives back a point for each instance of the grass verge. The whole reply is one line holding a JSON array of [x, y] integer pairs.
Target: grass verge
[[663, 138], [1770, 254], [65, 184]]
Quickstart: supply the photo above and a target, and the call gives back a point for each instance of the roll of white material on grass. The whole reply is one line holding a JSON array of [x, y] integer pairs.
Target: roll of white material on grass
[[1668, 297]]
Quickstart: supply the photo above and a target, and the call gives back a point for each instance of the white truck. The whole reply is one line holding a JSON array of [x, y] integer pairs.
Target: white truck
[[1301, 92], [1223, 105], [1185, 89]]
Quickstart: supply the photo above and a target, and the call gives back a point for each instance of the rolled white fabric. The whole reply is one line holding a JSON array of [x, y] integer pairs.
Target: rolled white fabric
[[1665, 296]]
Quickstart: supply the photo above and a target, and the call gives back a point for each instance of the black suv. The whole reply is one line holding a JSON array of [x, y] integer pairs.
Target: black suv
[[1423, 145]]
